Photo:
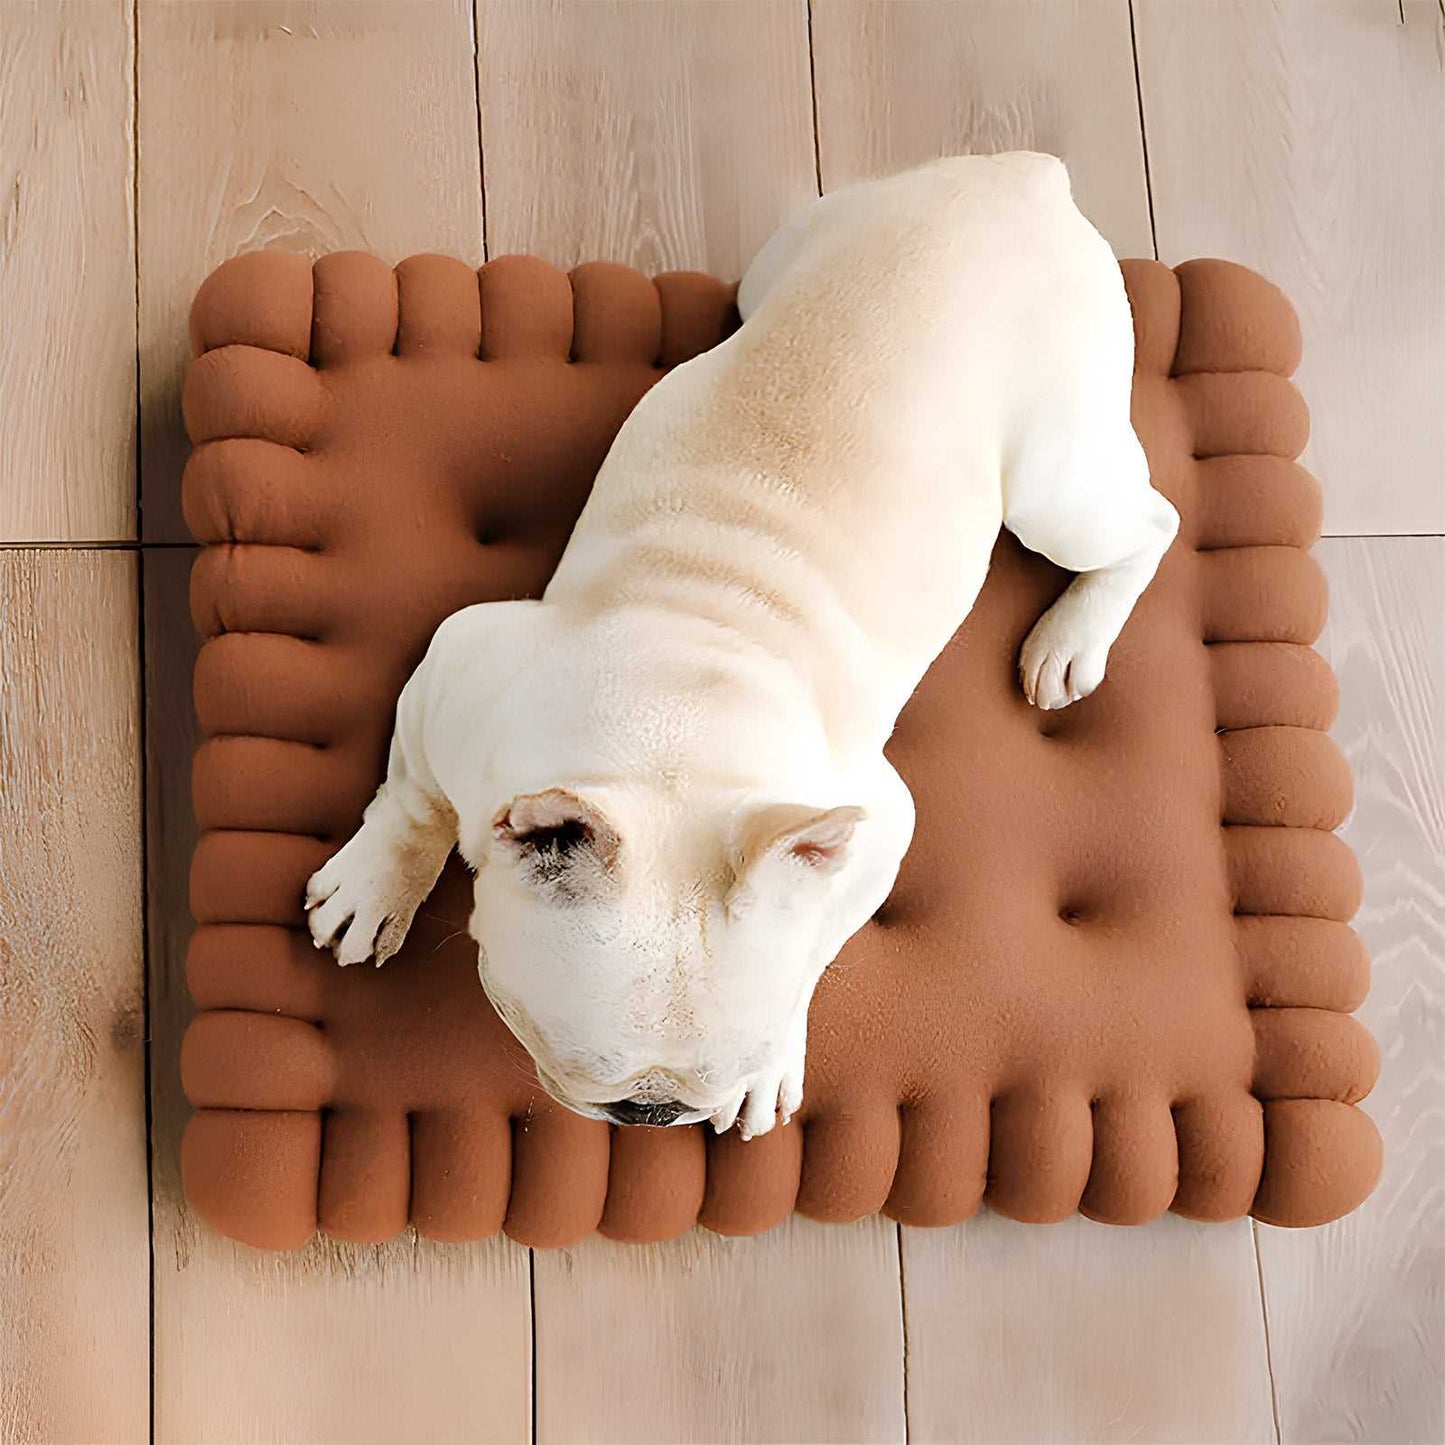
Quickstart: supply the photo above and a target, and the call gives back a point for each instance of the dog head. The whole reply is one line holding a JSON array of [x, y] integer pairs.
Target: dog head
[[653, 959]]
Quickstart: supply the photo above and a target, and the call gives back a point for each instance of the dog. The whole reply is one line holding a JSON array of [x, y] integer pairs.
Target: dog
[[667, 774]]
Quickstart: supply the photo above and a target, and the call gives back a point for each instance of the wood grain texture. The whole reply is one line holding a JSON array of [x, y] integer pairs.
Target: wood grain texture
[[1300, 136], [1082, 1331], [899, 84], [404, 1341], [67, 272], [794, 1335], [1306, 138], [73, 1213], [306, 125], [1357, 1309], [665, 136]]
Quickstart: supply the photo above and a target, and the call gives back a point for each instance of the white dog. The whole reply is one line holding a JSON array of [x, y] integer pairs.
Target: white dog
[[668, 774]]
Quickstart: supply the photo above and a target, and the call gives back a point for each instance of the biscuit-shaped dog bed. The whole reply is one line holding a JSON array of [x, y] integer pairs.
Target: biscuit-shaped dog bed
[[1115, 975]]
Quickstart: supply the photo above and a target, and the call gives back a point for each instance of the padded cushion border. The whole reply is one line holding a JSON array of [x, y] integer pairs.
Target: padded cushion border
[[257, 1064]]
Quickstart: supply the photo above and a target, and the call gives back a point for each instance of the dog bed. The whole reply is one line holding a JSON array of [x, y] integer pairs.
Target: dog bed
[[1115, 975]]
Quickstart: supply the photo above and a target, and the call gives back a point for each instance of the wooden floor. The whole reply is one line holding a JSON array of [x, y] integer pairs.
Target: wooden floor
[[144, 141]]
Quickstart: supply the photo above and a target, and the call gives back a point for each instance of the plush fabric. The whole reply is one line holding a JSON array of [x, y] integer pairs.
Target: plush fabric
[[1115, 975]]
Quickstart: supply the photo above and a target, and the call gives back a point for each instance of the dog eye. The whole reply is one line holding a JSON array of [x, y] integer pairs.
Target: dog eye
[[549, 853], [564, 839]]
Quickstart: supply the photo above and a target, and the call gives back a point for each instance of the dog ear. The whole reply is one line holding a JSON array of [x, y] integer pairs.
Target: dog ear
[[555, 830], [816, 842]]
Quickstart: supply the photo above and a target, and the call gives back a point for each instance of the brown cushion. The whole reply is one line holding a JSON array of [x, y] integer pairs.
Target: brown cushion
[[1115, 974]]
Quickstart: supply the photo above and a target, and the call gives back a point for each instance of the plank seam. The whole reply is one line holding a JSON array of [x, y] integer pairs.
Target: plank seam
[[1144, 133], [142, 702], [903, 1316], [144, 735], [133, 546], [1264, 1317], [477, 97], [813, 97], [532, 1333]]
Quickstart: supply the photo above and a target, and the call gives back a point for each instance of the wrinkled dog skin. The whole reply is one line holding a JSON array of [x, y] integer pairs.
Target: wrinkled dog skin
[[668, 773]]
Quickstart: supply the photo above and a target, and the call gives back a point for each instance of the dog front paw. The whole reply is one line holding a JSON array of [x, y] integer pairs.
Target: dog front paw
[[770, 1097], [361, 903]]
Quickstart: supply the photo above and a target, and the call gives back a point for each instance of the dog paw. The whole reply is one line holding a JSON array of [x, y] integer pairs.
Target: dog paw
[[771, 1097], [361, 903], [1062, 660]]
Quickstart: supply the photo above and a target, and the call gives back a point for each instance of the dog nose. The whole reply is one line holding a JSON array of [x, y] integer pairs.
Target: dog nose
[[642, 1111]]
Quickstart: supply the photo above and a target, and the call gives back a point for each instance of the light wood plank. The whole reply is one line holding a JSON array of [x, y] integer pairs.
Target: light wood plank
[[1356, 1322], [673, 136], [796, 1335], [74, 1271], [1083, 1331], [1306, 138], [666, 136], [67, 272], [404, 1341], [343, 124], [899, 84], [1076, 1332], [306, 125]]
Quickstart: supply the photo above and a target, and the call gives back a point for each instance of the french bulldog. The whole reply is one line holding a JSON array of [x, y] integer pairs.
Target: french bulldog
[[667, 774]]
